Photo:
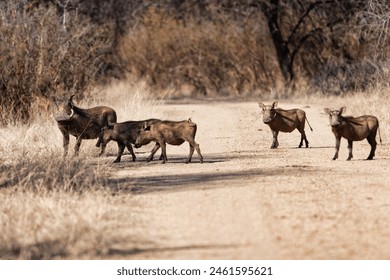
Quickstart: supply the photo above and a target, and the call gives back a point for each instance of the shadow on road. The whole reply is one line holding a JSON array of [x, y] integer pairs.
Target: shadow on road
[[136, 251], [147, 184]]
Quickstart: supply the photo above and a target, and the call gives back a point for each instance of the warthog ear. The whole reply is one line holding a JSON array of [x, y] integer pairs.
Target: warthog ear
[[145, 126], [70, 99], [275, 104], [342, 110], [109, 126], [261, 105], [327, 110]]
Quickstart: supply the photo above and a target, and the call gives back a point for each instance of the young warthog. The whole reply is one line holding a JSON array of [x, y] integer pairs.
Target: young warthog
[[284, 121], [353, 129], [81, 123], [124, 134], [174, 133]]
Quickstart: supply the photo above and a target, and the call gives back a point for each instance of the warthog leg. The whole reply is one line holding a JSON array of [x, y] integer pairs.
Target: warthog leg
[[164, 151], [193, 146], [121, 148], [336, 155], [303, 138], [275, 142], [154, 150], [192, 149], [77, 146], [66, 144], [98, 142], [65, 141], [103, 148], [130, 148], [371, 139], [350, 144]]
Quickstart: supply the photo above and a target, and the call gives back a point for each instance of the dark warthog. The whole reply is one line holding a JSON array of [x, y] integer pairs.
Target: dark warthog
[[174, 133], [81, 123], [124, 134], [285, 121], [353, 129]]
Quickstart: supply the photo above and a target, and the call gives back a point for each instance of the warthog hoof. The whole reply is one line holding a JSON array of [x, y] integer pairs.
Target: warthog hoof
[[116, 161]]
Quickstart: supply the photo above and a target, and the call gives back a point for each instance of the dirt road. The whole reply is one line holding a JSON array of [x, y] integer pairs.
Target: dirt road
[[250, 202]]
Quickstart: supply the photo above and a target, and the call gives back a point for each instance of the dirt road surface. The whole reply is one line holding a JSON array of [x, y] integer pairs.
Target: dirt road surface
[[247, 201]]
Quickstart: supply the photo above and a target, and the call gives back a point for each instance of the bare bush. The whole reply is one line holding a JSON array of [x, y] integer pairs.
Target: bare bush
[[374, 24], [336, 78], [44, 54], [220, 56]]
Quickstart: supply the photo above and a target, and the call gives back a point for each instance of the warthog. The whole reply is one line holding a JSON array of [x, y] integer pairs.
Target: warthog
[[285, 121], [174, 133], [353, 129], [124, 134], [81, 123]]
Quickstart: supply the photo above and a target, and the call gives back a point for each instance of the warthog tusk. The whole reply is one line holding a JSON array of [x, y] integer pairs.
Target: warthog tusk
[[71, 113]]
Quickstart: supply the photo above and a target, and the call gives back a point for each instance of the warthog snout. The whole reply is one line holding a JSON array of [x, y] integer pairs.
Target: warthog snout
[[335, 124], [137, 145], [64, 112], [268, 112], [334, 117], [267, 120]]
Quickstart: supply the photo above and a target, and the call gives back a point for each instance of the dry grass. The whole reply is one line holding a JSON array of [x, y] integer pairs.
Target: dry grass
[[55, 208]]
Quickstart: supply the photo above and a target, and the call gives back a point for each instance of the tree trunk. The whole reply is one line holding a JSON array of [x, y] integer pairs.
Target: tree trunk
[[282, 51]]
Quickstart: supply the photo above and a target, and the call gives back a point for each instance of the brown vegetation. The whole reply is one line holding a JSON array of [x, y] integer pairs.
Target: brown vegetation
[[191, 48]]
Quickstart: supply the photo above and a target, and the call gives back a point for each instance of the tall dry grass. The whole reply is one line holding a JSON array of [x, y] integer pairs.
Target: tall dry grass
[[65, 208], [42, 55], [222, 56]]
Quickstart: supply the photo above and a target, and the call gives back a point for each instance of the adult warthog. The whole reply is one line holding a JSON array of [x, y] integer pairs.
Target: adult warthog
[[284, 121], [174, 133], [81, 123], [124, 134], [353, 129]]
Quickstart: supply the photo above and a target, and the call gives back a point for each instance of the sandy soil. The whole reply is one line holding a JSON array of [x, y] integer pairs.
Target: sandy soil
[[247, 201]]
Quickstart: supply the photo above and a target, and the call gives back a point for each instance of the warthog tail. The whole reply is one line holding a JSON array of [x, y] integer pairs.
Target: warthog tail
[[379, 132], [308, 123]]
